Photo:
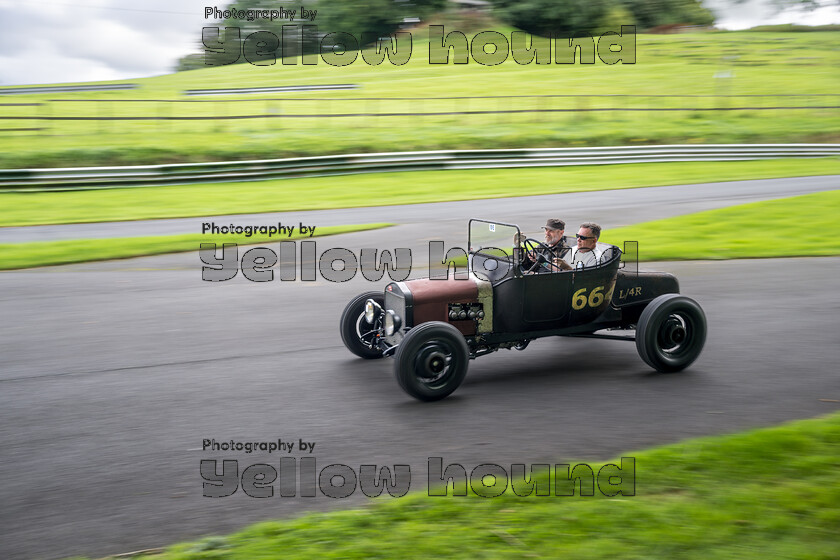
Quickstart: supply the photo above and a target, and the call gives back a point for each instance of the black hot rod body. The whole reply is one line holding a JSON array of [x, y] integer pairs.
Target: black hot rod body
[[434, 326]]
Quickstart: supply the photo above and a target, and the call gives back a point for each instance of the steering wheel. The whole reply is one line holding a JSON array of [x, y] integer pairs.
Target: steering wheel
[[538, 251]]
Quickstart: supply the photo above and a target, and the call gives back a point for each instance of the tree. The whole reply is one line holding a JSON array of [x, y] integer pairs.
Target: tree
[[616, 16], [652, 13], [366, 20], [566, 18], [221, 49], [560, 18], [424, 8], [192, 61], [374, 18]]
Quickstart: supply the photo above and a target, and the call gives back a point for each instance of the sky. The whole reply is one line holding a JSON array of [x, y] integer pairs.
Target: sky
[[55, 41], [52, 41]]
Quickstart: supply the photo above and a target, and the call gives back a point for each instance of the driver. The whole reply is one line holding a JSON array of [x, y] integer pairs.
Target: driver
[[551, 255]]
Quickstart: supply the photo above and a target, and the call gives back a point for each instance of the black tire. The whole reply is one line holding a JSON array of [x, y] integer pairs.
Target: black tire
[[671, 333], [431, 361], [355, 331]]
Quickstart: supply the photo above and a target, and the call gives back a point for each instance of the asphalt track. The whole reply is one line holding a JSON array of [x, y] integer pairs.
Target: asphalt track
[[112, 374]]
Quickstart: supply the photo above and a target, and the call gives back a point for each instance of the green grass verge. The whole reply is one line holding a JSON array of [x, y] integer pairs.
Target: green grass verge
[[740, 64], [768, 493], [47, 253], [743, 231], [377, 189], [752, 230]]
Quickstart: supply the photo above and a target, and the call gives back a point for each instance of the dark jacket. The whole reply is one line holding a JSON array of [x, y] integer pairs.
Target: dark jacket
[[558, 250]]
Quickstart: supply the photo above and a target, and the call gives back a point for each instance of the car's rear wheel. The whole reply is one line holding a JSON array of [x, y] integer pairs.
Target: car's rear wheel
[[431, 361], [357, 334], [671, 333]]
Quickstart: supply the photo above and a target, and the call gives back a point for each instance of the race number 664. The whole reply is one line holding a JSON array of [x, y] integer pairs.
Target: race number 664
[[595, 299]]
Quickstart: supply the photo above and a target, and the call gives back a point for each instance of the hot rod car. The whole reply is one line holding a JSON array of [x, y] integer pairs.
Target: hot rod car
[[434, 326]]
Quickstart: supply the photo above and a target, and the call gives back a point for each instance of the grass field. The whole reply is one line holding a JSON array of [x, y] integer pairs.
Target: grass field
[[769, 493], [745, 231], [697, 65], [47, 253], [17, 209]]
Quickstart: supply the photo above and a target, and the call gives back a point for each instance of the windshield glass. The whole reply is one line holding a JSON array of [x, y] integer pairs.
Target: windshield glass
[[492, 238], [491, 247]]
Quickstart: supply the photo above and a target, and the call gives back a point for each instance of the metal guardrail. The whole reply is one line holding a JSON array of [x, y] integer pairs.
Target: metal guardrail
[[234, 91], [56, 89], [81, 178]]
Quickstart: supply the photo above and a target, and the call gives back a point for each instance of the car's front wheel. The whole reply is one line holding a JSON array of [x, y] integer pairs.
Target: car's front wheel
[[431, 361], [357, 334], [671, 333]]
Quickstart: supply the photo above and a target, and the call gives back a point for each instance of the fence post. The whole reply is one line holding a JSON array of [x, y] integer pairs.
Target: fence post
[[47, 113]]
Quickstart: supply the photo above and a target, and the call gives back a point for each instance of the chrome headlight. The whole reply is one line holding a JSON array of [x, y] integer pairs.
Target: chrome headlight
[[392, 323], [370, 311]]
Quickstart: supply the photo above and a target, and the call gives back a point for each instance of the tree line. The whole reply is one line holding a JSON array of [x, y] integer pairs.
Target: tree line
[[376, 18]]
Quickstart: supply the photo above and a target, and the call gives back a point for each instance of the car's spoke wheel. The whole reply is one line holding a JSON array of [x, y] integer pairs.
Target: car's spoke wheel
[[358, 335], [671, 333], [431, 361]]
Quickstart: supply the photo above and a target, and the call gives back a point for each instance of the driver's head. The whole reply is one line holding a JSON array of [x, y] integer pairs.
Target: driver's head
[[587, 236], [554, 230]]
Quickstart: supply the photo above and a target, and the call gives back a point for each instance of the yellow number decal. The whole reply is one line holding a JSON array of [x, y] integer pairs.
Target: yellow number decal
[[596, 298], [578, 299], [609, 295]]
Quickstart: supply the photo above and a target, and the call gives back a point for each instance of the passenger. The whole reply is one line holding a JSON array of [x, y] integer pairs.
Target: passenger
[[556, 250], [586, 254]]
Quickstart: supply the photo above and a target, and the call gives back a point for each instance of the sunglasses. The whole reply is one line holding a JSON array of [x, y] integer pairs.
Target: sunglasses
[[584, 237]]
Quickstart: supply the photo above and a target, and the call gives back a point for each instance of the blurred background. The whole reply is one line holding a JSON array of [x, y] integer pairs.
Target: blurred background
[[692, 82], [122, 132]]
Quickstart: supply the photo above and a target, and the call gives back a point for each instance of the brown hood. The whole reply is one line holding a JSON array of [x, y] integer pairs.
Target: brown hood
[[431, 299], [426, 290]]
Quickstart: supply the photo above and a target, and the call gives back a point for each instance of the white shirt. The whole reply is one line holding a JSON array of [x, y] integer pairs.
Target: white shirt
[[584, 259]]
